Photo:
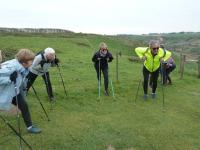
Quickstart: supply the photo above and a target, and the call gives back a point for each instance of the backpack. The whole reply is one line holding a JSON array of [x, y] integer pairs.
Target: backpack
[[43, 61]]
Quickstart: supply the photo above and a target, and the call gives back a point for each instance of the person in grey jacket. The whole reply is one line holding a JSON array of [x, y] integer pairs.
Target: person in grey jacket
[[40, 66], [12, 75]]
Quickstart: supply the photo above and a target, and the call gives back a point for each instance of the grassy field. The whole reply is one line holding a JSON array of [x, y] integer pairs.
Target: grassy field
[[81, 121]]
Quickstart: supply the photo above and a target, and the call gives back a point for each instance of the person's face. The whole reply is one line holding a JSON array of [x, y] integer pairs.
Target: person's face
[[27, 64], [104, 50], [50, 57], [154, 48]]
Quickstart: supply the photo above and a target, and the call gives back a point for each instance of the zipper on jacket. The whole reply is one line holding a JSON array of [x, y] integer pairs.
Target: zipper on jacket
[[153, 64]]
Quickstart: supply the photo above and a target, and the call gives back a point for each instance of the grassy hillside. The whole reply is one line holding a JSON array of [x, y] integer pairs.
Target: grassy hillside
[[189, 42], [81, 121]]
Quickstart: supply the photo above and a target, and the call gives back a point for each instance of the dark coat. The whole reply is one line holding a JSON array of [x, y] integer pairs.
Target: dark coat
[[103, 60]]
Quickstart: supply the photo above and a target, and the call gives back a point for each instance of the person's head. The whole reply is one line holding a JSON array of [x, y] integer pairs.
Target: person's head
[[25, 57], [154, 45], [103, 48], [50, 54]]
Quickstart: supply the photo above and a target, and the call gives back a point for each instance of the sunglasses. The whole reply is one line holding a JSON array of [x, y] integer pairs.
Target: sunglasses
[[104, 49], [155, 48]]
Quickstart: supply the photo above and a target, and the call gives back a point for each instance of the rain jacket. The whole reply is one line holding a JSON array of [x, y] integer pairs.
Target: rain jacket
[[103, 59], [152, 63], [7, 88]]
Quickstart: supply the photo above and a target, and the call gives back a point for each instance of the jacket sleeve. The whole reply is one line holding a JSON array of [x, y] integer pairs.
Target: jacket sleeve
[[37, 61], [5, 75], [110, 57], [140, 51], [94, 58], [167, 55]]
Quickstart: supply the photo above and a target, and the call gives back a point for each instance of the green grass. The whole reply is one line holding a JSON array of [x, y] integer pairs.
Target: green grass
[[81, 121]]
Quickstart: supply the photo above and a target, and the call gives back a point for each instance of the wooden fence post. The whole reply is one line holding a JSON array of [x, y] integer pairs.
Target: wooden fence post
[[182, 65], [117, 69], [198, 67], [181, 56]]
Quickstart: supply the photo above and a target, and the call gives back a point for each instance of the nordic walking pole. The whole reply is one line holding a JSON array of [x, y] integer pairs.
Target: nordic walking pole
[[117, 68], [47, 84], [113, 93], [137, 90], [163, 95], [117, 65], [61, 79], [40, 103], [99, 78], [18, 134], [18, 117]]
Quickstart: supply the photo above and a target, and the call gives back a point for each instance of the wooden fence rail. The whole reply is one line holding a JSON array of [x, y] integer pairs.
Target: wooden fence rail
[[184, 58]]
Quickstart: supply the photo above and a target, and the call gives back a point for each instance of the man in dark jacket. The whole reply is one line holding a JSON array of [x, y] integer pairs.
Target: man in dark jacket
[[101, 59]]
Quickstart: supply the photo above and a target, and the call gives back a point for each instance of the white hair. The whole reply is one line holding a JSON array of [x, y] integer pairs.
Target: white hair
[[49, 50]]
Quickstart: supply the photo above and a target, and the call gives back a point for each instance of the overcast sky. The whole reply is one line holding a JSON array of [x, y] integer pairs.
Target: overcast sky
[[103, 16]]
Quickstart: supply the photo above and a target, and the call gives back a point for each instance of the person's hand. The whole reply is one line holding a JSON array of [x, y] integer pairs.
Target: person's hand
[[56, 61], [162, 60], [98, 58], [144, 58], [109, 60], [13, 77]]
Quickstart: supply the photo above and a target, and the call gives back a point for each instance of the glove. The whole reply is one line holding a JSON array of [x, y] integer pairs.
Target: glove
[[13, 77], [56, 61], [143, 58]]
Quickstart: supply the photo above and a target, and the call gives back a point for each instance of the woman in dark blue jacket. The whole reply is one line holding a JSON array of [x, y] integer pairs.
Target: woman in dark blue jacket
[[101, 59]]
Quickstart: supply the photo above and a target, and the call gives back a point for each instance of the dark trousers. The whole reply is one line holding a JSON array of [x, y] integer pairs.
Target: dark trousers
[[154, 79], [22, 105], [31, 78], [168, 71], [105, 75]]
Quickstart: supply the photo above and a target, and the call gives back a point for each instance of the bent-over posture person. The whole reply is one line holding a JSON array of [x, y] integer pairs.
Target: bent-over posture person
[[12, 84], [41, 64], [153, 56]]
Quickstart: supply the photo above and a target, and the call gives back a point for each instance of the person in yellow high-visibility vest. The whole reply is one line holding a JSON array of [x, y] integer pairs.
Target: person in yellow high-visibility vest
[[152, 56]]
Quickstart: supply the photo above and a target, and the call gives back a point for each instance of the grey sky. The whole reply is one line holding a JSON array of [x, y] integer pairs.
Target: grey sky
[[103, 16]]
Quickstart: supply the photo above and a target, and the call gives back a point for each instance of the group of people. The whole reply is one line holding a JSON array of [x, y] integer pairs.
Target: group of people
[[18, 75]]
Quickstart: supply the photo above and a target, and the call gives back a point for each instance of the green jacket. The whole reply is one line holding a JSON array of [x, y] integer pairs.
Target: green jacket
[[152, 63]]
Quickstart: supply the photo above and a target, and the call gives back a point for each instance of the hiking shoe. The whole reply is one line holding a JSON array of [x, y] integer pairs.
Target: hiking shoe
[[34, 130], [145, 97], [153, 95], [106, 93]]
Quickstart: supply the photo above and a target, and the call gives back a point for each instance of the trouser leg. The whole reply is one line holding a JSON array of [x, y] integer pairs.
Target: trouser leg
[[146, 79], [105, 75], [155, 80], [98, 73], [31, 78], [23, 108], [46, 78]]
